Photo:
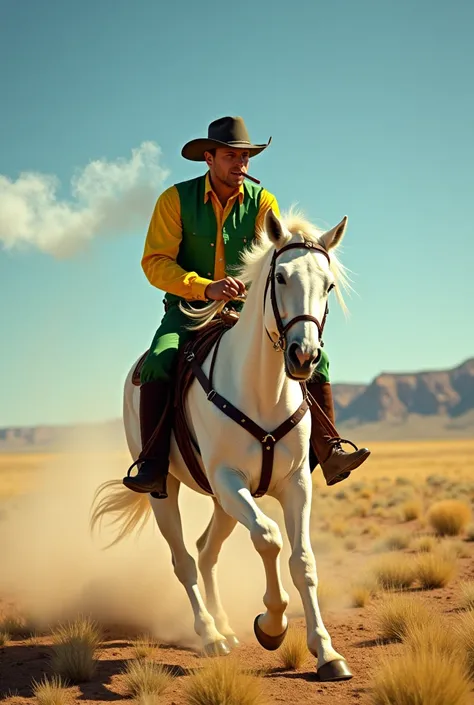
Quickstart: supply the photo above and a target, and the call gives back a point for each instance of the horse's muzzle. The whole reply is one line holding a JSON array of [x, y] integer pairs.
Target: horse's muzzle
[[300, 365]]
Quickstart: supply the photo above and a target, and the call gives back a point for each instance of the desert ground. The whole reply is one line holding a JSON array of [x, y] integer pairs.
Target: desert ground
[[394, 545]]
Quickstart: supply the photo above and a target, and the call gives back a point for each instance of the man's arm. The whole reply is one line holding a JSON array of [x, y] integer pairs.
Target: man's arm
[[267, 201], [161, 250]]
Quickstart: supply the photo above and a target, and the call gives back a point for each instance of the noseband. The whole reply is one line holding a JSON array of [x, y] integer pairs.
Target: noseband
[[281, 343]]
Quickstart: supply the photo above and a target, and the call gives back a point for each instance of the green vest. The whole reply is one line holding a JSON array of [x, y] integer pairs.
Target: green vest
[[197, 251]]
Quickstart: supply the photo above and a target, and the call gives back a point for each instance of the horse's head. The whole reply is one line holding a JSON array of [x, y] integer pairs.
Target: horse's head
[[302, 273]]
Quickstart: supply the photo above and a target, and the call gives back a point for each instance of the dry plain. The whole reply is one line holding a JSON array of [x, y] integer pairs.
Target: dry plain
[[382, 535]]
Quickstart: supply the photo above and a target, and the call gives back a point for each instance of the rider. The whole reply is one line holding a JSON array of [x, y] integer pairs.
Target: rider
[[197, 231]]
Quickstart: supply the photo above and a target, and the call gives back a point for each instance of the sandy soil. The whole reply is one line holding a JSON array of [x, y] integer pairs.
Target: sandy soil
[[367, 511]]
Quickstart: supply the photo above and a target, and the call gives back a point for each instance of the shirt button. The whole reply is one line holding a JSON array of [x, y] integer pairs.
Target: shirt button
[[212, 244], [245, 239], [209, 274]]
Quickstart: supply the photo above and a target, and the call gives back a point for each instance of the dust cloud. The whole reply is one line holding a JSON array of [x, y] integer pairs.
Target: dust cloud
[[53, 569]]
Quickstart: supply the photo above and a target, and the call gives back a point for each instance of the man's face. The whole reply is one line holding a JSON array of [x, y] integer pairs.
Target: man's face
[[228, 165]]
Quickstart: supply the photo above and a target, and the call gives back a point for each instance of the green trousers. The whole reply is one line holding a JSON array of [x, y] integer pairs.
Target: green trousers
[[160, 363]]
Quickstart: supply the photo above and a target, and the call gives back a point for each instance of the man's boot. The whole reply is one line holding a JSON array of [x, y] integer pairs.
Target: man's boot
[[156, 421], [326, 448]]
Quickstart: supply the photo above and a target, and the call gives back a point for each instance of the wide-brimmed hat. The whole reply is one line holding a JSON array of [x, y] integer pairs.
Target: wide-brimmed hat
[[224, 132]]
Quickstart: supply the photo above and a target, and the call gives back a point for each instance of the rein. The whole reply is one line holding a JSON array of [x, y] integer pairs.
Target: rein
[[267, 439]]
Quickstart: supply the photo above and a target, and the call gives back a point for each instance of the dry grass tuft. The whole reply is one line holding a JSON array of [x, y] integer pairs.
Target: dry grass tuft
[[449, 517], [145, 646], [146, 678], [338, 528], [411, 510], [399, 614], [424, 544], [464, 629], [470, 532], [419, 679], [15, 625], [436, 636], [74, 648], [396, 572], [50, 692], [360, 595], [433, 570], [466, 589], [293, 653], [454, 548], [223, 681], [396, 541], [4, 638]]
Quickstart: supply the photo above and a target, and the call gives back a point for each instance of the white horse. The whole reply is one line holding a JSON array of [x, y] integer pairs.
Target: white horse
[[252, 374]]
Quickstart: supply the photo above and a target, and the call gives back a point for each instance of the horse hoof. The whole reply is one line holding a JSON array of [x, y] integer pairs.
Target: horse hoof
[[334, 671], [270, 643], [217, 648], [232, 641]]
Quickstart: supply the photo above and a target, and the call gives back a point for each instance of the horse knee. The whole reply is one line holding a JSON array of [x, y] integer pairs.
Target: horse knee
[[266, 537], [303, 569], [185, 569]]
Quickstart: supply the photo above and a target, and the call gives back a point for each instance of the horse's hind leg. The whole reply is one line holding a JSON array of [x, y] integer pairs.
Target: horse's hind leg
[[168, 518], [209, 546]]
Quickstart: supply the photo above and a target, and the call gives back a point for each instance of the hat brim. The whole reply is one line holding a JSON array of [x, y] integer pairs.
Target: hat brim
[[194, 150]]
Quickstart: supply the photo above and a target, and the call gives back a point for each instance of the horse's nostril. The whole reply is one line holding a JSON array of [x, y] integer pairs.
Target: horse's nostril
[[298, 357]]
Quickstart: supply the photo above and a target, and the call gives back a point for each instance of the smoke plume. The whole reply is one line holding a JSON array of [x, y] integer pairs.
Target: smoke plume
[[108, 198]]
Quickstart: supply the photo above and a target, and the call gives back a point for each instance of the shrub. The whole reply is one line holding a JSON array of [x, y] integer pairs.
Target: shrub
[[434, 571], [223, 681], [395, 572], [294, 653], [398, 614], [449, 517], [50, 692], [419, 679], [146, 678]]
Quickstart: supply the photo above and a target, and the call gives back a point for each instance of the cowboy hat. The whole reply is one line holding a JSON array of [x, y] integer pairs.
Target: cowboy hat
[[224, 132]]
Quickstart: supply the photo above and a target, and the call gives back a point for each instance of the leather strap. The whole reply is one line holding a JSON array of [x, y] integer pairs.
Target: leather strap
[[268, 440], [283, 330]]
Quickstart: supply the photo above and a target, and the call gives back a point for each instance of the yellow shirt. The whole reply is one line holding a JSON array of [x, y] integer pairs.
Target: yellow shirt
[[164, 237]]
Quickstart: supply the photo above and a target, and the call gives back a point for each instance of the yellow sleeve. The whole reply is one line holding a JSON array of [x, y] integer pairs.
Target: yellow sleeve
[[267, 201], [161, 250]]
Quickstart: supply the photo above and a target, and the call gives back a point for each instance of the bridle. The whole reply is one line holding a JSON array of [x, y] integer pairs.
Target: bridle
[[281, 343]]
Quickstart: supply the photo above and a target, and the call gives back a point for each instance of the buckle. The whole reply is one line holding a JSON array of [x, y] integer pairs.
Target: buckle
[[211, 394], [190, 357]]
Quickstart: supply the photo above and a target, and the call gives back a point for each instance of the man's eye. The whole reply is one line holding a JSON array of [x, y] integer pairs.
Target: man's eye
[[280, 278]]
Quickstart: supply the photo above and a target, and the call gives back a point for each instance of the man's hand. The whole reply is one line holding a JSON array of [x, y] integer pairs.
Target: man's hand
[[225, 289]]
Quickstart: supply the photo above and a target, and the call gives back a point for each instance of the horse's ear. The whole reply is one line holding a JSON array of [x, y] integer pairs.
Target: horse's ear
[[273, 228], [333, 237]]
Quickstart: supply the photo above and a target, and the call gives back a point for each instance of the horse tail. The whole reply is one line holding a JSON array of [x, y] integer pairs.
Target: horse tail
[[131, 509]]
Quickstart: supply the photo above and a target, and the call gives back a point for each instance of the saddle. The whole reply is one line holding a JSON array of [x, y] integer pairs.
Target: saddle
[[199, 347]]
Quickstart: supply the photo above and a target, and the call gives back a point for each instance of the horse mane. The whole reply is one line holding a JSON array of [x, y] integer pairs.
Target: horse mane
[[252, 263]]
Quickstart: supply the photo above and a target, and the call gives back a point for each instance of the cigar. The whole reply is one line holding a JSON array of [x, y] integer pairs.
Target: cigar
[[252, 178]]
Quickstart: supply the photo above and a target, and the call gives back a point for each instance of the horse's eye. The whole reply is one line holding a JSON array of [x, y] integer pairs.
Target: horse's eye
[[280, 278], [331, 287]]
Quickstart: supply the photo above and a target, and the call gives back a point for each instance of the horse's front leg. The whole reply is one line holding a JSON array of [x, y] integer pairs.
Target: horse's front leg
[[236, 500], [169, 522], [295, 498]]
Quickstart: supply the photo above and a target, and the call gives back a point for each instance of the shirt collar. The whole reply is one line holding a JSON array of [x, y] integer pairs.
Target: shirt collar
[[208, 190]]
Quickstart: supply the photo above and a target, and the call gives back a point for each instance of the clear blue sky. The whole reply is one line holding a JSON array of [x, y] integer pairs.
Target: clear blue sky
[[370, 105]]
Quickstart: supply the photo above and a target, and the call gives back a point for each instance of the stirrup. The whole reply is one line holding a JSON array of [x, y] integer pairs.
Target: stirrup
[[337, 441], [140, 460]]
